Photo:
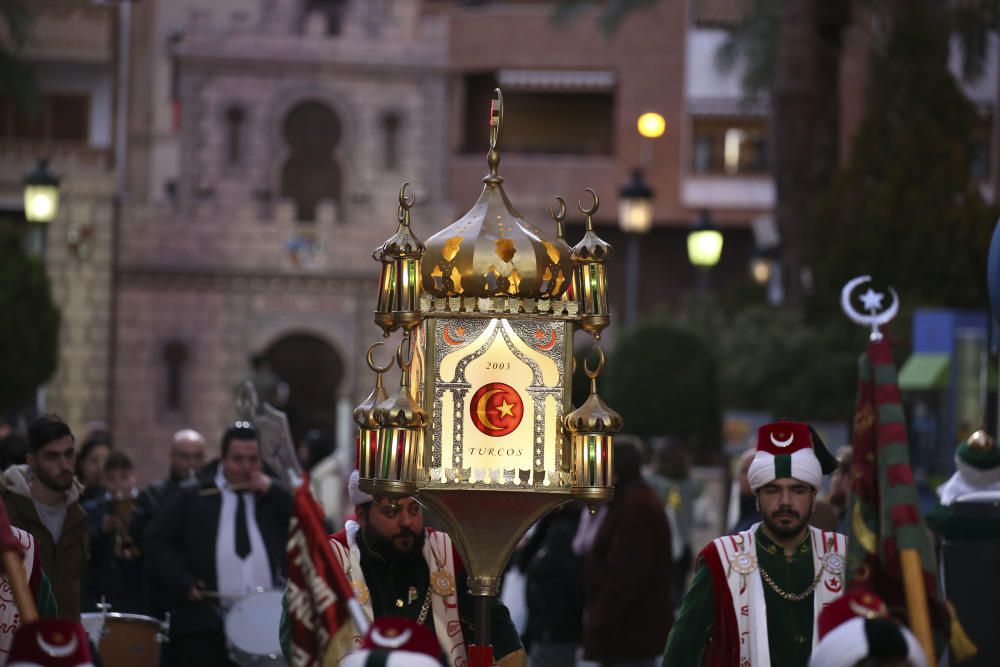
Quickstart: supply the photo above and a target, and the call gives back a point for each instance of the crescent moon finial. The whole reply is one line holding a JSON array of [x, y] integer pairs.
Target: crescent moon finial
[[593, 374], [403, 365], [874, 319], [371, 359], [595, 204]]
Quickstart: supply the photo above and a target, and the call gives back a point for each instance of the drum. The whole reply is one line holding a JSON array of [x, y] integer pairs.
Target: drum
[[252, 629], [125, 640]]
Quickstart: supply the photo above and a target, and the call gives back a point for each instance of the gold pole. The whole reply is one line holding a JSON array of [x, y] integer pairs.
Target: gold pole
[[916, 600]]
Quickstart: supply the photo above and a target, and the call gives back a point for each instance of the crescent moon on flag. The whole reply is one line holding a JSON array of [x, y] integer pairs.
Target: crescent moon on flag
[[481, 410], [782, 443], [545, 347]]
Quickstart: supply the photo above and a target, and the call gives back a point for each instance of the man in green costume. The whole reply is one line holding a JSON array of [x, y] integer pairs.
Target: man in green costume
[[756, 594], [397, 567]]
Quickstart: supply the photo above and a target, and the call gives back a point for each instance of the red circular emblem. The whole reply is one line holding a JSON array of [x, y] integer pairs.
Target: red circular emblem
[[496, 409]]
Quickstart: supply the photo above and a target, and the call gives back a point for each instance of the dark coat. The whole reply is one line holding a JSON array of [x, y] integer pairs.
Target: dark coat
[[554, 580], [180, 546], [627, 574], [64, 562], [118, 581]]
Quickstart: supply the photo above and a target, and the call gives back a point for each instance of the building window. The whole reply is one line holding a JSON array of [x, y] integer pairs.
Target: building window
[[235, 118], [310, 173], [733, 146], [332, 12], [61, 117], [583, 125], [175, 356], [391, 126]]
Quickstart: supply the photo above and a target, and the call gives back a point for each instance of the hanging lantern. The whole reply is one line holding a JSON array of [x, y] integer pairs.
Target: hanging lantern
[[591, 284], [400, 439], [591, 428], [364, 417], [568, 290], [399, 284]]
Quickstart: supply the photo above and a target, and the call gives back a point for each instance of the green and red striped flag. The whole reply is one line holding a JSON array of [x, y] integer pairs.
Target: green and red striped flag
[[884, 516]]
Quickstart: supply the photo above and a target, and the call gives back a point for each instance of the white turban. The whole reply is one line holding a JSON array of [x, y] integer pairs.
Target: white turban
[[850, 642], [354, 492], [801, 464]]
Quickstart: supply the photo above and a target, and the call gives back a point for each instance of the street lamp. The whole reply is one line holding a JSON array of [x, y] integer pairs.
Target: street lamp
[[41, 193], [704, 243], [635, 217]]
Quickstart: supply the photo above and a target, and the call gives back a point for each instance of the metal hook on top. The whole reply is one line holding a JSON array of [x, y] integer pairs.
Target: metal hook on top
[[593, 374], [403, 365], [405, 204], [371, 359], [593, 207], [496, 118], [561, 214]]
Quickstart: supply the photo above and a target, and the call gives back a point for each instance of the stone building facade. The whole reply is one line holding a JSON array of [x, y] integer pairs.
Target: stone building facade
[[298, 124]]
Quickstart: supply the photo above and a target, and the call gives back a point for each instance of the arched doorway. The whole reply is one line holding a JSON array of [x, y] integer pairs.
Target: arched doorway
[[312, 371]]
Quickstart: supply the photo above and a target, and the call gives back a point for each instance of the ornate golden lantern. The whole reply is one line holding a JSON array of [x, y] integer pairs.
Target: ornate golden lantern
[[400, 439], [591, 274], [591, 430], [399, 286], [491, 365], [364, 417]]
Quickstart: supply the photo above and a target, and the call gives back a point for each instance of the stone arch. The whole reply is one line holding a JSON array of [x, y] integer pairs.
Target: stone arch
[[313, 371]]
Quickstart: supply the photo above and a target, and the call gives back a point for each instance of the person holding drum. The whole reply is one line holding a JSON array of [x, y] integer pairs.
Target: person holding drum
[[216, 540], [398, 567]]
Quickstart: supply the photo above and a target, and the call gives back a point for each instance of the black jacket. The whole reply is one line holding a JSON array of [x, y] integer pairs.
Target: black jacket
[[554, 580], [180, 546]]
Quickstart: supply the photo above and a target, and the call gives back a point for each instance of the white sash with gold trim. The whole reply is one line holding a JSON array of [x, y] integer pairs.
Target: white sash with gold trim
[[440, 558], [738, 556], [10, 619]]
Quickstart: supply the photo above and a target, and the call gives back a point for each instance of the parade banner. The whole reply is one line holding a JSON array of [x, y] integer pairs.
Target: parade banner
[[889, 546], [321, 622]]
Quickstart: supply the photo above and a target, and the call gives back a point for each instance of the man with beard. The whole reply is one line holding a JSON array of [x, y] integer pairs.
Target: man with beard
[[42, 498], [756, 594], [397, 567]]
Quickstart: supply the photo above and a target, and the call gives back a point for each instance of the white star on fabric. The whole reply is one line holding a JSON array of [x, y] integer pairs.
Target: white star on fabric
[[872, 300]]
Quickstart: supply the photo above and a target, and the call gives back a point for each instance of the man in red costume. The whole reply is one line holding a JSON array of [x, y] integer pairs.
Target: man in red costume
[[756, 594]]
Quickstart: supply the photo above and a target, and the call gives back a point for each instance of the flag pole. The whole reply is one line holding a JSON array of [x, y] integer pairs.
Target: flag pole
[[914, 587], [916, 600]]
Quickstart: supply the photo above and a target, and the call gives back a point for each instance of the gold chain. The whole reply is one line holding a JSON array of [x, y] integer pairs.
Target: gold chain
[[792, 597]]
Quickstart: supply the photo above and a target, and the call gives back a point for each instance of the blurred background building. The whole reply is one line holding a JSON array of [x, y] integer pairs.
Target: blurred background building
[[228, 166]]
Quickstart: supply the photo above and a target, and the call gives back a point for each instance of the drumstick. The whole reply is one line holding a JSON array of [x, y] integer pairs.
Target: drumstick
[[13, 566], [213, 490]]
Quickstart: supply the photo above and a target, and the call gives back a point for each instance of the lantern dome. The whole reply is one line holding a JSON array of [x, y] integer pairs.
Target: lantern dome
[[492, 250]]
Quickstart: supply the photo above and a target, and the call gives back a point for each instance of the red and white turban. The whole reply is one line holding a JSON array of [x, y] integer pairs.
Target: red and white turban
[[789, 449], [857, 626]]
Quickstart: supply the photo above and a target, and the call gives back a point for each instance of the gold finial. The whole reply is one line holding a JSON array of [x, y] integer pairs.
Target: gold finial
[[981, 440], [403, 365], [593, 374], [558, 216], [405, 204], [589, 212], [496, 126], [371, 361]]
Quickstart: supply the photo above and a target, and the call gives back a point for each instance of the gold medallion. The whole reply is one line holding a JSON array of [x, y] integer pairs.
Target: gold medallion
[[442, 583], [360, 591], [743, 562]]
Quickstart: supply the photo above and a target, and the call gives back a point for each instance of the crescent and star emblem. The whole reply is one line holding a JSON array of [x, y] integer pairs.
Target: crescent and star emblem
[[872, 302], [456, 339], [496, 409], [782, 443], [546, 345]]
